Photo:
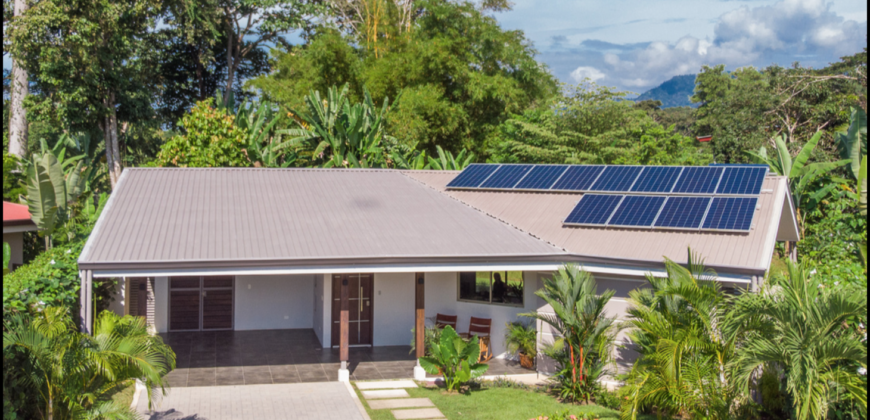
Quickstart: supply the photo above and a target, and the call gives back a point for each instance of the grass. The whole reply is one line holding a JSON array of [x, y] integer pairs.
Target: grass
[[496, 404]]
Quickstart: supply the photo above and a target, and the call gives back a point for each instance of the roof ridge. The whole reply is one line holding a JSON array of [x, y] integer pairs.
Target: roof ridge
[[443, 193], [253, 169]]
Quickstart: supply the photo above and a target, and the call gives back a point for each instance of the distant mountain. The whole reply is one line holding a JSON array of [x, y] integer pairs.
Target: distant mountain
[[674, 92]]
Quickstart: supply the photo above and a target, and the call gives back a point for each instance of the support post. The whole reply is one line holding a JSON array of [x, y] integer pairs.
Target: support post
[[83, 302], [344, 330], [89, 301], [420, 323]]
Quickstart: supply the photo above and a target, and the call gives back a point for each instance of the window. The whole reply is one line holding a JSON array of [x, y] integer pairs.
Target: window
[[499, 287]]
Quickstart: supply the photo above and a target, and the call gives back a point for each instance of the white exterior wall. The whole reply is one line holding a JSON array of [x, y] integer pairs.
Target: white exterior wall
[[323, 318], [394, 295], [161, 304], [442, 297], [318, 307], [274, 302], [119, 304]]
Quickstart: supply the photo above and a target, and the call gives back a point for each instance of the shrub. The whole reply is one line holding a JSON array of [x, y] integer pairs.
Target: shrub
[[212, 139], [455, 358], [431, 336]]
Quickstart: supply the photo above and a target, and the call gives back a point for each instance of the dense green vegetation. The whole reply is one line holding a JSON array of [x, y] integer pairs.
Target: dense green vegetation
[[438, 84]]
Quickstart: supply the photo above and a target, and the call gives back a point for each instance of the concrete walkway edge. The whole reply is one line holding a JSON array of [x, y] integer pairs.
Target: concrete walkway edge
[[359, 404]]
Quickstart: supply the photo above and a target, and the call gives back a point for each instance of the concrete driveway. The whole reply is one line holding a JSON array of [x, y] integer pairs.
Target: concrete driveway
[[322, 400]]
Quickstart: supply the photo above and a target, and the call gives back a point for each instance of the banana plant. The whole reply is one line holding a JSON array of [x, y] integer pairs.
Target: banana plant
[[339, 133], [50, 192], [799, 172], [852, 144], [446, 161], [454, 358]]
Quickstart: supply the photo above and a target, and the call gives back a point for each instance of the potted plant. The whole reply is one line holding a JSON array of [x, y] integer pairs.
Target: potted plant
[[522, 339]]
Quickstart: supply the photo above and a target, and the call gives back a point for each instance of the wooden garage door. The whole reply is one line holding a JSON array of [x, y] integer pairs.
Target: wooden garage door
[[200, 303]]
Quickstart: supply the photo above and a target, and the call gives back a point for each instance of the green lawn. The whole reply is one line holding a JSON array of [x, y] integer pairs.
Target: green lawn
[[496, 404]]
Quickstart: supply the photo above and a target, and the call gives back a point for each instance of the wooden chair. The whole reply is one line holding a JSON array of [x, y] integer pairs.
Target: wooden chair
[[442, 321], [481, 327]]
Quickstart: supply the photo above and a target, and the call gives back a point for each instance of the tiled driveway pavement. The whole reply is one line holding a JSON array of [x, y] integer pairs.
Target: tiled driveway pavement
[[326, 400], [283, 357]]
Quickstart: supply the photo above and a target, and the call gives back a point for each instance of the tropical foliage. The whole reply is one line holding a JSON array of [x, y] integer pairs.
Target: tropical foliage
[[809, 334], [74, 375], [676, 326], [212, 139], [586, 343], [455, 358], [340, 134], [521, 338]]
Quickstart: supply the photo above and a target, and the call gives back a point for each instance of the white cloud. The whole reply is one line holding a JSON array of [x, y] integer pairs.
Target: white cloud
[[591, 73], [808, 31]]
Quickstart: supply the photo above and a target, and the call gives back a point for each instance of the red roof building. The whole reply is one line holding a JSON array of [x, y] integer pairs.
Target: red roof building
[[16, 215]]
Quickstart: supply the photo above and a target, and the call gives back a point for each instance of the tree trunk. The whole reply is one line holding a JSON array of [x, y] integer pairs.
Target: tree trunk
[[18, 119], [199, 74], [230, 57], [110, 133]]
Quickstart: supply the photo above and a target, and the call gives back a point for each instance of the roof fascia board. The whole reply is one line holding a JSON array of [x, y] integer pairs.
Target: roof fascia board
[[95, 233], [782, 195], [20, 228], [410, 268]]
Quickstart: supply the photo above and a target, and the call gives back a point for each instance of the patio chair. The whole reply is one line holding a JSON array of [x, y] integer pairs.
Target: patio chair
[[442, 321], [481, 327]]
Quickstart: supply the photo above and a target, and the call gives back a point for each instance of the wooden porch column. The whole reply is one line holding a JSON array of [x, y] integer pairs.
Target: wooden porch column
[[344, 327], [86, 297], [83, 302], [420, 324]]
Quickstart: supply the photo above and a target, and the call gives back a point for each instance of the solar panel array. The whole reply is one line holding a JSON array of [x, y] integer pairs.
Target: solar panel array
[[730, 214], [733, 180], [715, 197]]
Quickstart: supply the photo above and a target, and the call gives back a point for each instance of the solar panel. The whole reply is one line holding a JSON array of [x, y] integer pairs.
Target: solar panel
[[657, 179], [698, 180], [730, 213], [742, 180], [541, 177], [637, 211], [472, 176], [683, 212], [578, 177], [616, 178], [593, 209], [506, 176]]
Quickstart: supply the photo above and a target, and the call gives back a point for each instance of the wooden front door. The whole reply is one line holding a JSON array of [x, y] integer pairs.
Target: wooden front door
[[360, 308], [200, 303]]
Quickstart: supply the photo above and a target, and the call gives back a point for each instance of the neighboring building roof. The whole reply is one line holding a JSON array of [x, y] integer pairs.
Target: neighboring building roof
[[541, 214], [227, 217], [17, 217]]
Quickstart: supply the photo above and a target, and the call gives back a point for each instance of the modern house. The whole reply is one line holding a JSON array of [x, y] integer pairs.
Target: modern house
[[16, 221], [362, 256]]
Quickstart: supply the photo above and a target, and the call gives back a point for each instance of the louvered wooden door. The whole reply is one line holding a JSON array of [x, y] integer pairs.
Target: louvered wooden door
[[200, 303]]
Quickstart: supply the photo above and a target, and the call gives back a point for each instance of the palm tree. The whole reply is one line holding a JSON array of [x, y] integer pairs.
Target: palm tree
[[587, 336], [676, 326], [74, 374], [800, 326]]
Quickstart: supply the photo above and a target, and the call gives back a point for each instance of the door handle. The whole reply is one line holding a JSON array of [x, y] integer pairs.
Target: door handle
[[204, 293]]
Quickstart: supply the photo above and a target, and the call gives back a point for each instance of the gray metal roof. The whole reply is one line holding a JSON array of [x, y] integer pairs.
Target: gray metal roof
[[541, 214], [182, 218]]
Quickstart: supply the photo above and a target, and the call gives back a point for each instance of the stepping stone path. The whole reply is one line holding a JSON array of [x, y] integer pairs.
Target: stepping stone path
[[391, 395]]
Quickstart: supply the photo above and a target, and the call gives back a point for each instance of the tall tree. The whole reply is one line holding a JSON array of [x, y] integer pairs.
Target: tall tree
[[18, 119], [89, 62], [252, 24]]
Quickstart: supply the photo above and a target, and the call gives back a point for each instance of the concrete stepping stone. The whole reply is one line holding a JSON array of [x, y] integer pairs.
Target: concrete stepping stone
[[418, 413], [402, 403], [386, 385], [384, 394]]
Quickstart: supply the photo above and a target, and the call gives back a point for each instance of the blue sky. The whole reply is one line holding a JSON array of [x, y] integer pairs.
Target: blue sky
[[638, 44]]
